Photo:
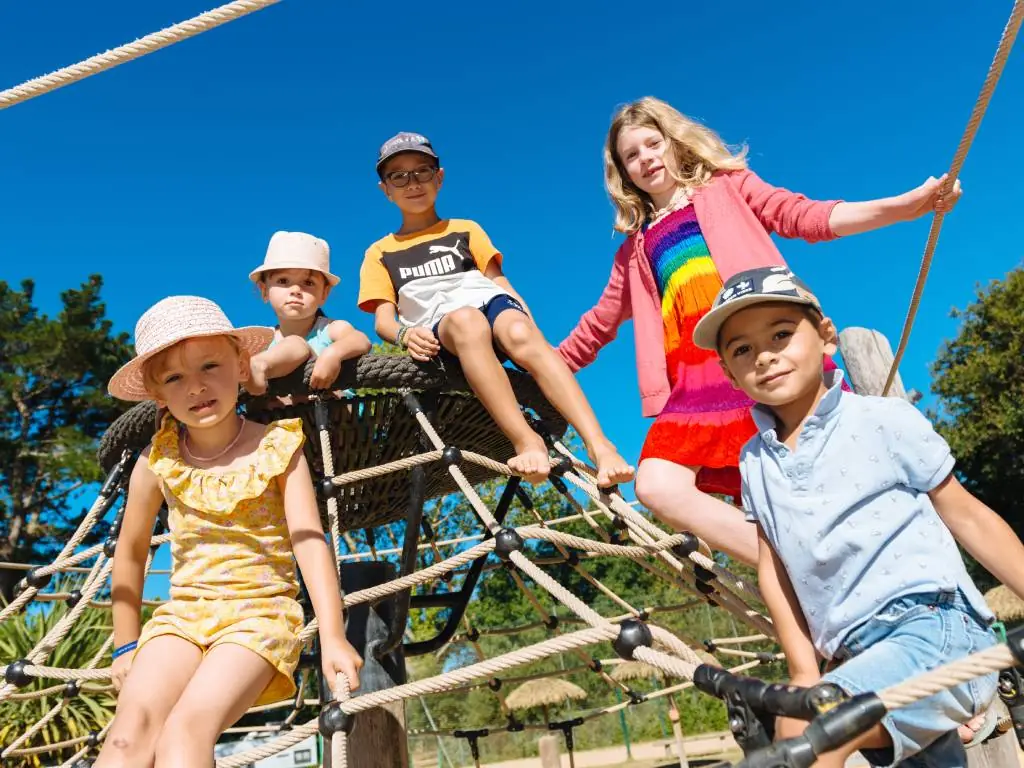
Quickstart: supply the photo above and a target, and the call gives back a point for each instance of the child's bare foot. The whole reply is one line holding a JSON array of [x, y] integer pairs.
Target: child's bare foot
[[531, 461], [612, 469], [256, 384]]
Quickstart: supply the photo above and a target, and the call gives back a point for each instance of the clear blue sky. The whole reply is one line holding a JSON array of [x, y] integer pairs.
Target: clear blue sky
[[169, 174]]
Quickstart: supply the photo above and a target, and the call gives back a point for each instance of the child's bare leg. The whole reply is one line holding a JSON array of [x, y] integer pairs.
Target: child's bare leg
[[226, 684], [280, 360], [466, 333], [160, 672], [670, 491], [522, 340]]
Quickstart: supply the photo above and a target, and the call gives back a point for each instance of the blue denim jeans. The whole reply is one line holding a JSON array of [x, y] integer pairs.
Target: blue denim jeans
[[907, 637]]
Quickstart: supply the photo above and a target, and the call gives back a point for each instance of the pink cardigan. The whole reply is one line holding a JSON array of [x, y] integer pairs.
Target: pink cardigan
[[736, 211]]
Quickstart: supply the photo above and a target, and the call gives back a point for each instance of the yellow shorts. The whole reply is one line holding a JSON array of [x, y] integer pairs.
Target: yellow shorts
[[267, 626]]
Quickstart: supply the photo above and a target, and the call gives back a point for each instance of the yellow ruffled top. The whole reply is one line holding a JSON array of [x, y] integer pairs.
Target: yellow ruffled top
[[229, 536]]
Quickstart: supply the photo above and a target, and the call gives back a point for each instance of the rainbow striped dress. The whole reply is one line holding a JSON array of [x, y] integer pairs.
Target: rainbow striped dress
[[706, 420]]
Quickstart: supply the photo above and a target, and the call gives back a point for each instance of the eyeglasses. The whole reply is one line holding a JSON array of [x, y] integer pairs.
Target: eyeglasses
[[402, 178]]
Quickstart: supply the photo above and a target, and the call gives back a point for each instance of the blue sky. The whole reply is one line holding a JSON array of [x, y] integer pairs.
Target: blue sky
[[169, 174]]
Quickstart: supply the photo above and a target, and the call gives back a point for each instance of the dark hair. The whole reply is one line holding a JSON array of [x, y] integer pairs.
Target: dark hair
[[812, 313]]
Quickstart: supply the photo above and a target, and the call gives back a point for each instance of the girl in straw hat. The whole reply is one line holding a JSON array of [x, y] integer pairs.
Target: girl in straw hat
[[295, 279], [240, 505]]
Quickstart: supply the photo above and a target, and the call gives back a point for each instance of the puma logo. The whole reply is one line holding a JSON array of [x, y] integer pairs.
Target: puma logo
[[441, 266]]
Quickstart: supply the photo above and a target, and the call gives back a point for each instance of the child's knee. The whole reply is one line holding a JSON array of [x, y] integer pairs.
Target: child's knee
[[131, 740], [466, 324], [656, 488], [521, 337]]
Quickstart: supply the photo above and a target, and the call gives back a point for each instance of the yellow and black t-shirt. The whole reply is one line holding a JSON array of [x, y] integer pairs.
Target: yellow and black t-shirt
[[429, 273]]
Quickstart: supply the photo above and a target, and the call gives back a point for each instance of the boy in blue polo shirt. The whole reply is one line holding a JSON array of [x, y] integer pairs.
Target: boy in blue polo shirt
[[858, 514]]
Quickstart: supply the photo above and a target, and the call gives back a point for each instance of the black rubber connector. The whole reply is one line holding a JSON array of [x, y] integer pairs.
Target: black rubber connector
[[507, 541], [36, 579], [551, 624], [109, 546], [328, 488], [72, 688], [333, 719], [686, 547], [472, 634], [451, 455], [703, 574], [632, 635], [16, 675], [595, 664], [494, 684]]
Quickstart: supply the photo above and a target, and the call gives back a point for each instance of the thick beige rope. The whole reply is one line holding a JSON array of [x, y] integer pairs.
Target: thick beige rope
[[980, 106], [148, 44]]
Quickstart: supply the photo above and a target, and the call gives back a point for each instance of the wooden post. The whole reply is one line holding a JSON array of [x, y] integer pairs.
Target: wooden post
[[868, 356], [550, 745], [378, 739]]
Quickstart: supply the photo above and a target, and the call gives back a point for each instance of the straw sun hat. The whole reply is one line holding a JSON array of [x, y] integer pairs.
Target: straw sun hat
[[175, 319]]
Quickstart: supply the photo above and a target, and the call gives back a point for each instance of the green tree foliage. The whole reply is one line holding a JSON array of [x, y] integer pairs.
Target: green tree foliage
[[53, 409], [89, 711], [979, 381]]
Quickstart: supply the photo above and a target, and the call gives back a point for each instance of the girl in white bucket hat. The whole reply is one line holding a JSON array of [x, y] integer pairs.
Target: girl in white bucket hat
[[238, 495], [295, 279]]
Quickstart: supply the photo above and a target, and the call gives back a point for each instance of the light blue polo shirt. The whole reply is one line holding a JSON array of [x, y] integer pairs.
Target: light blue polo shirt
[[848, 511]]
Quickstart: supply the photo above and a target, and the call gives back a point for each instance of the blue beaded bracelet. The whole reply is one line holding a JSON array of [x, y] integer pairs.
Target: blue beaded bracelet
[[126, 648]]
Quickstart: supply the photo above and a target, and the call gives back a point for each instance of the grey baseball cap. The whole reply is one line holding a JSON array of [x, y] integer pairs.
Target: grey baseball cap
[[752, 286], [404, 142]]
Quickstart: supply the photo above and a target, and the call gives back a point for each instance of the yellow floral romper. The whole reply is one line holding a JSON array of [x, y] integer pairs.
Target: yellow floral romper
[[233, 574]]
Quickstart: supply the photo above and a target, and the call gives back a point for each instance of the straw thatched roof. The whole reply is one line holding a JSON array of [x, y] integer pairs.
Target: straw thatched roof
[[1005, 604], [549, 692], [639, 670]]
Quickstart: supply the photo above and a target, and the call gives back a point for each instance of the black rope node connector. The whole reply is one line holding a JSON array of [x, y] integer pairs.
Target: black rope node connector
[[72, 688], [507, 541], [109, 546], [595, 664], [494, 684], [710, 646], [472, 634], [94, 739], [333, 719], [632, 635], [451, 456], [704, 588], [764, 657], [73, 598], [36, 579], [573, 558], [644, 615], [551, 623], [514, 726], [16, 675], [328, 489], [686, 547]]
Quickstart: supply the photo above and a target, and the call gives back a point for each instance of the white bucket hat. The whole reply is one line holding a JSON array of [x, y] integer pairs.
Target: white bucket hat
[[296, 250], [175, 319]]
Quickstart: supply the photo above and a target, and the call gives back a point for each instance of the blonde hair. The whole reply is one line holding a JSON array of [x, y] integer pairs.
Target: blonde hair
[[155, 366], [697, 152]]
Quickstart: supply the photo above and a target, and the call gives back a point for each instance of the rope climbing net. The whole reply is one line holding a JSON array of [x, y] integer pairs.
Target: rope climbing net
[[674, 558], [616, 529]]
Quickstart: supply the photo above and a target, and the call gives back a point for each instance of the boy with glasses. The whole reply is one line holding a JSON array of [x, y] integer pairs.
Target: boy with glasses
[[436, 288]]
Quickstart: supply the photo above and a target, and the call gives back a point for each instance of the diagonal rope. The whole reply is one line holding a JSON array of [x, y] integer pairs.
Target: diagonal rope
[[130, 51], [988, 87]]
